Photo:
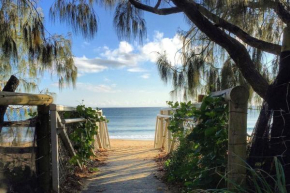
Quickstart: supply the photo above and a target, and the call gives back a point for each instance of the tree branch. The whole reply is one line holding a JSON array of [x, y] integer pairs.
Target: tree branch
[[283, 14], [163, 11], [245, 37], [276, 5], [236, 50], [157, 4]]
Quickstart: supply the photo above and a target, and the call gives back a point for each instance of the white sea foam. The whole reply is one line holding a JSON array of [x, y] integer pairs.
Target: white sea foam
[[139, 137]]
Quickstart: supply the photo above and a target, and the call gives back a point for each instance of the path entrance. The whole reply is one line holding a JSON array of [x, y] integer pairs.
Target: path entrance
[[130, 168]]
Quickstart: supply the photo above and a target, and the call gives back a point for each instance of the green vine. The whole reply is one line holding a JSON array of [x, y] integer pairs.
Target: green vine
[[82, 135], [201, 158]]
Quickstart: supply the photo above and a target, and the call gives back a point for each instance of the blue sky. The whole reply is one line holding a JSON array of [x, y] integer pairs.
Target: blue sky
[[115, 73]]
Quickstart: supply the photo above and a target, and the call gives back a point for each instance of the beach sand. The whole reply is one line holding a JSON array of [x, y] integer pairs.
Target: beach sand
[[130, 167]]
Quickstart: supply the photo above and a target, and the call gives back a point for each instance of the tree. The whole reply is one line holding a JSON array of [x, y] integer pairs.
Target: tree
[[235, 38], [242, 29], [27, 49]]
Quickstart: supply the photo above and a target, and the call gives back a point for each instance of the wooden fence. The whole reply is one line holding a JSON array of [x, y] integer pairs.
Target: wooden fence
[[237, 98], [49, 123], [58, 129], [163, 136]]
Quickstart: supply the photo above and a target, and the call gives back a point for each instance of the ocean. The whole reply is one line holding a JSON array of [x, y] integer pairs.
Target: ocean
[[124, 123], [131, 123], [139, 123]]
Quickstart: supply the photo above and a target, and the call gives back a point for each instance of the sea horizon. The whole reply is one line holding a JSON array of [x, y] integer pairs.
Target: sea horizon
[[133, 123]]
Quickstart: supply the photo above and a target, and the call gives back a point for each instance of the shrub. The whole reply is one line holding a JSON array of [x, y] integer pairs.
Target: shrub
[[202, 154]]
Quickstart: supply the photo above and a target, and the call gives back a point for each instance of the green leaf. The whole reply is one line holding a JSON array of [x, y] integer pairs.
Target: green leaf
[[210, 131]]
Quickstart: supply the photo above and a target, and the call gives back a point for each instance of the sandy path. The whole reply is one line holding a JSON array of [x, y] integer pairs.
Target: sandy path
[[130, 168]]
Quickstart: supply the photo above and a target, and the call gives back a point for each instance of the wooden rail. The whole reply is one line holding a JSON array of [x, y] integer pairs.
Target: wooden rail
[[102, 140], [75, 120], [25, 123], [163, 137], [58, 129], [47, 123], [16, 150], [13, 98]]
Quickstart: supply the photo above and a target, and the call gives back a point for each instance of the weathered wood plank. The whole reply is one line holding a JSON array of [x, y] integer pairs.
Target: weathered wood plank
[[164, 135], [156, 131], [17, 150], [55, 107], [66, 141], [11, 98], [54, 151], [43, 149], [108, 137], [237, 144], [25, 123], [74, 120]]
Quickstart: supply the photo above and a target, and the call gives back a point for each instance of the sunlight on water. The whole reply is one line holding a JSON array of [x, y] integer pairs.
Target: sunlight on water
[[124, 123], [139, 123]]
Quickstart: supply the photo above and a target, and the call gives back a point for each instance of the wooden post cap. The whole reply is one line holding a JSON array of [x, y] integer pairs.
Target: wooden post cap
[[238, 94]]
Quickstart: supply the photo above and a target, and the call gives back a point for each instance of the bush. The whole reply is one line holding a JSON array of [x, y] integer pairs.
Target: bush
[[83, 133], [201, 158]]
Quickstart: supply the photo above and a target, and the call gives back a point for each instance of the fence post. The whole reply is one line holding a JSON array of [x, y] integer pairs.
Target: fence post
[[54, 150], [42, 131], [164, 134], [160, 134], [237, 142], [156, 132], [237, 98]]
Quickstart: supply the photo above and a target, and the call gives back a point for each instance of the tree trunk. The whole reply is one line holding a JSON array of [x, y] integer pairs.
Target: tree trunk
[[10, 86], [278, 97], [260, 138], [272, 133]]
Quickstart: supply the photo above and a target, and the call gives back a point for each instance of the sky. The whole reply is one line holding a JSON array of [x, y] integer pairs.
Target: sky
[[113, 72]]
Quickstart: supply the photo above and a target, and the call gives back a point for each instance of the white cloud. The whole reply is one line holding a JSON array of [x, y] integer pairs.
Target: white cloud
[[158, 35], [137, 69], [101, 88], [145, 76], [123, 54], [107, 80], [160, 45], [95, 65], [127, 55], [86, 65], [132, 56], [85, 44]]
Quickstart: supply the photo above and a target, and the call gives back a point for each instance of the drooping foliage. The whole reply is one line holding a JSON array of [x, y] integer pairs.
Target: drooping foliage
[[80, 16], [204, 62], [218, 70], [128, 22], [28, 50]]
